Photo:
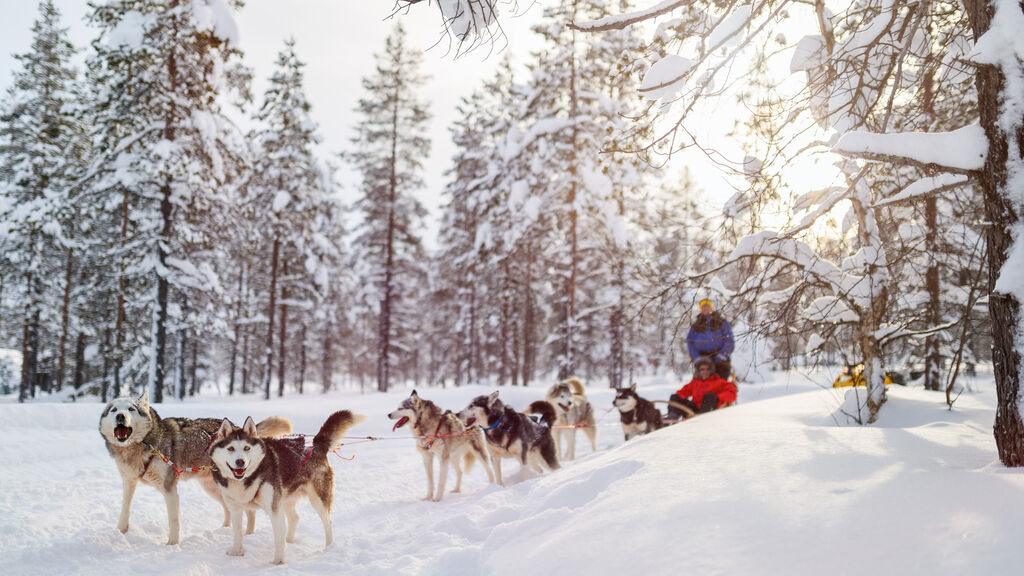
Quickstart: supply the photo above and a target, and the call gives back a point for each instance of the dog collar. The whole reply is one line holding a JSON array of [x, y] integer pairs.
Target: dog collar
[[495, 425]]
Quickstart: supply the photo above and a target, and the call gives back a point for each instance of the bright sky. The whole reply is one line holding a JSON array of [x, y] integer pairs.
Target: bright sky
[[337, 40]]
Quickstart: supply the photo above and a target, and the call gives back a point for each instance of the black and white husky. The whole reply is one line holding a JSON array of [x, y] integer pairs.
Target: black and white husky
[[271, 474], [511, 434], [441, 434], [136, 436], [638, 415], [573, 412]]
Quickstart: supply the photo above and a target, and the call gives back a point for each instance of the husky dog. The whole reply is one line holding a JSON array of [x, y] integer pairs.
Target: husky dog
[[443, 435], [573, 412], [133, 430], [273, 473], [511, 434], [638, 415]]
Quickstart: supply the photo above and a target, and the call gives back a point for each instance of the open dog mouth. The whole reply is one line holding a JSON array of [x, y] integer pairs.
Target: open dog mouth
[[401, 422], [122, 432], [564, 407], [470, 421], [237, 472]]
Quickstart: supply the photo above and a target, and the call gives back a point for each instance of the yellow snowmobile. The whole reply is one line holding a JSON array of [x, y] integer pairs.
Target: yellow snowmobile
[[853, 375]]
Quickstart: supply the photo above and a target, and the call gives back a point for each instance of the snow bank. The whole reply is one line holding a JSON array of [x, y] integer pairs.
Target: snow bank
[[770, 486]]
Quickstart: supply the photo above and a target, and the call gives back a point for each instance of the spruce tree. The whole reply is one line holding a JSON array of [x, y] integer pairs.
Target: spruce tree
[[389, 149], [40, 142]]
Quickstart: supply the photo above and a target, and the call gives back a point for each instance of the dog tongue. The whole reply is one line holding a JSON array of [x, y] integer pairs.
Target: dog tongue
[[122, 432], [401, 422]]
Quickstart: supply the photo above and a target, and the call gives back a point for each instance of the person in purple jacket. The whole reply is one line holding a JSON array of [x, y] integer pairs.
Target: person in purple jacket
[[711, 336]]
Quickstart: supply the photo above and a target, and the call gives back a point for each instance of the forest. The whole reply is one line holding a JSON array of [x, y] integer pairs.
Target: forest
[[149, 242]]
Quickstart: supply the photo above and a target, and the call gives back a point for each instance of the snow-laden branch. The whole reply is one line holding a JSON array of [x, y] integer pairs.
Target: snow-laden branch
[[925, 187], [962, 150], [620, 21]]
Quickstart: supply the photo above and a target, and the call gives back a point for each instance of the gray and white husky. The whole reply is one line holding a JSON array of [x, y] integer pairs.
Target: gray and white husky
[[511, 434], [573, 412], [272, 474], [133, 430], [441, 434]]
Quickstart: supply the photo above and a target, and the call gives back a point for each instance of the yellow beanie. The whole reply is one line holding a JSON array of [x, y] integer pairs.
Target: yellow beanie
[[706, 301]]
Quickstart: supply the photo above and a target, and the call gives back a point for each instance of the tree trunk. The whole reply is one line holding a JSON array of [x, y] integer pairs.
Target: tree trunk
[[568, 364], [162, 294], [932, 353], [237, 334], [193, 385], [79, 361], [1001, 217], [121, 287], [268, 365], [384, 322], [105, 379], [327, 360], [64, 320], [179, 365], [302, 359], [282, 345]]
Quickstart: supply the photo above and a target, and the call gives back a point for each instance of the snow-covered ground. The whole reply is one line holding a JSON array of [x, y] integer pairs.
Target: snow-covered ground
[[773, 485]]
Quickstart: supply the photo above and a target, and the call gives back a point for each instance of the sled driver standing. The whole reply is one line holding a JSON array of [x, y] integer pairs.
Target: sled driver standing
[[711, 336]]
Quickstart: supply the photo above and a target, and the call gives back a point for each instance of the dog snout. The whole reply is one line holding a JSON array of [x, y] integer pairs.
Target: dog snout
[[240, 463], [119, 419]]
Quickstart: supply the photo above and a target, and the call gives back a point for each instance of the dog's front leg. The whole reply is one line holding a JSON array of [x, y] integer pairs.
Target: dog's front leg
[[428, 465], [173, 512], [127, 493], [496, 462], [570, 443], [278, 523], [250, 521], [236, 533], [442, 480]]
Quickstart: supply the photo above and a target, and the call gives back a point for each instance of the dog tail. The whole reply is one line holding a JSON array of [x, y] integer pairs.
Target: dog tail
[[334, 428], [576, 385], [273, 427], [549, 450], [544, 409]]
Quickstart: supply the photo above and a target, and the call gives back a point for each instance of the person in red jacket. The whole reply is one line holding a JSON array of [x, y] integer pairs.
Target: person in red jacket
[[706, 392]]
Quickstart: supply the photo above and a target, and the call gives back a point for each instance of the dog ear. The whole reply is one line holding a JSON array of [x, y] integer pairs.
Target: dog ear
[[226, 428], [492, 397], [249, 427], [633, 386], [144, 402], [414, 394]]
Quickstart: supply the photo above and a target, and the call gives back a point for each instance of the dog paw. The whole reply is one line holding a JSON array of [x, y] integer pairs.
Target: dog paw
[[172, 541], [277, 562], [290, 540], [122, 529], [234, 552]]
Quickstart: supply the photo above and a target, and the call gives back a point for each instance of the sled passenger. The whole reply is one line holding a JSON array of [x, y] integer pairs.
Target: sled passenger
[[706, 392], [711, 336]]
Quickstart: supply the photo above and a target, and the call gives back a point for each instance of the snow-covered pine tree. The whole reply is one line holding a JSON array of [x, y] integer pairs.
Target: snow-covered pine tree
[[40, 155], [285, 193], [580, 89], [389, 149], [164, 152]]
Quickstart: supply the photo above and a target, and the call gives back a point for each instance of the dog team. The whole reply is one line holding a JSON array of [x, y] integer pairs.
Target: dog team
[[260, 466]]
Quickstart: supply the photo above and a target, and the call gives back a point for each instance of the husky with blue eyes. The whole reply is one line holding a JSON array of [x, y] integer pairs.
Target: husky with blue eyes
[[136, 437]]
